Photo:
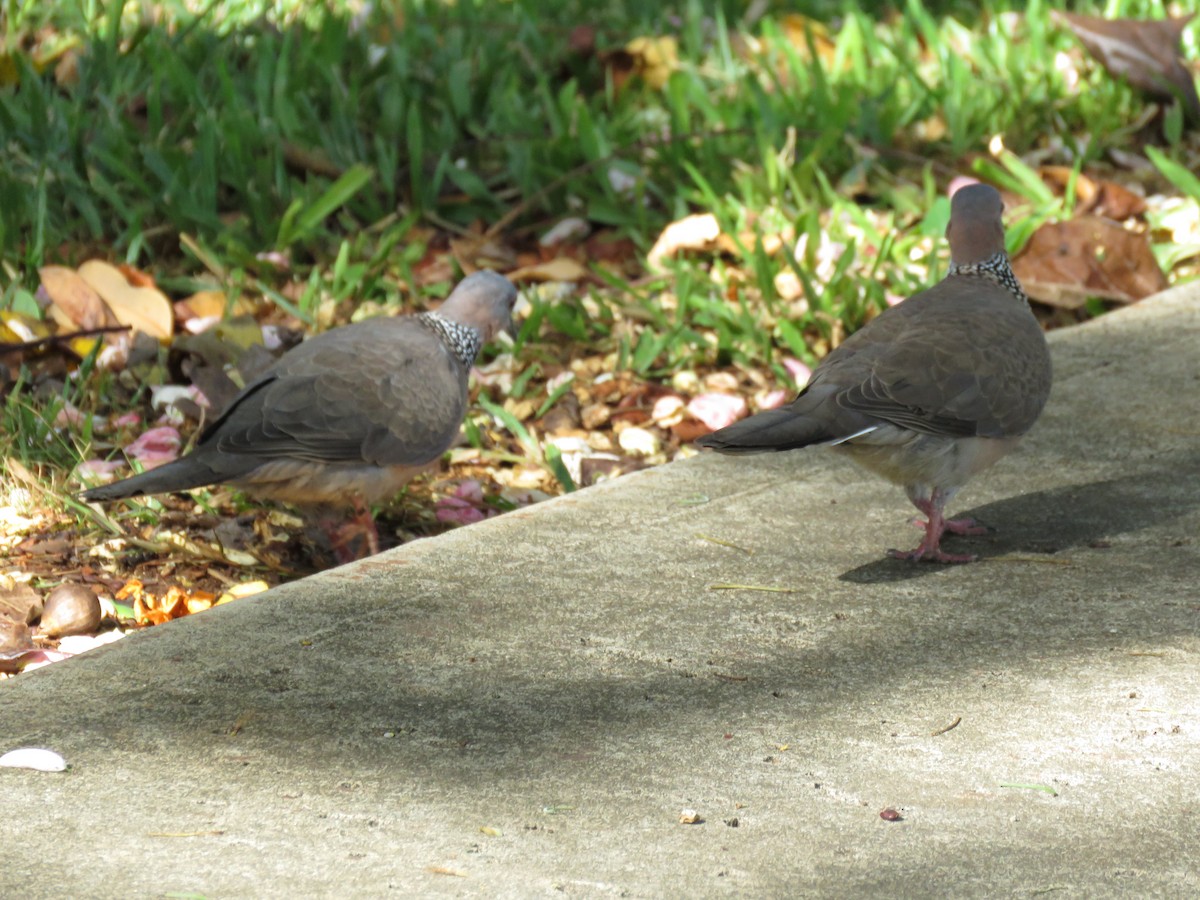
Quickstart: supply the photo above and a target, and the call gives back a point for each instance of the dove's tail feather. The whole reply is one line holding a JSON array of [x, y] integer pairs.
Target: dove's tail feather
[[774, 429], [180, 475]]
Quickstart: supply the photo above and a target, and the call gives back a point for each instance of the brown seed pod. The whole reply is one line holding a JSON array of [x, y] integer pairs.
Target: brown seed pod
[[70, 609]]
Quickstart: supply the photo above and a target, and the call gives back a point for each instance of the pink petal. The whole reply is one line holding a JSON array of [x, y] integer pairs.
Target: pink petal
[[155, 447], [958, 183], [799, 371], [774, 399], [127, 420], [91, 469], [892, 299], [717, 410], [470, 490], [456, 511], [69, 416]]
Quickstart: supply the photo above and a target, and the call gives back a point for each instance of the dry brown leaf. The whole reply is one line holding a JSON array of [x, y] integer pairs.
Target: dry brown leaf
[[475, 252], [1095, 195], [1064, 263], [1144, 52], [142, 308], [75, 304], [561, 268], [18, 602]]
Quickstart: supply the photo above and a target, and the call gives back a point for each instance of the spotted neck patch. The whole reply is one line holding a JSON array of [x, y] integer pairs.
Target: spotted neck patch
[[463, 340], [996, 269]]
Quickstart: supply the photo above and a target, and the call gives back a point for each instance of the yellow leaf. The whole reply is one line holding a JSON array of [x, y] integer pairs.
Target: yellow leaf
[[142, 308], [16, 328], [562, 268], [799, 28], [245, 589], [205, 304], [654, 58]]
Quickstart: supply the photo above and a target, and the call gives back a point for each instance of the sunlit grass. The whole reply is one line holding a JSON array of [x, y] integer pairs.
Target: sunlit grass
[[194, 139]]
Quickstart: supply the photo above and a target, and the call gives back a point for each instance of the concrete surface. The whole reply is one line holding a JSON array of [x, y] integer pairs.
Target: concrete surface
[[523, 707]]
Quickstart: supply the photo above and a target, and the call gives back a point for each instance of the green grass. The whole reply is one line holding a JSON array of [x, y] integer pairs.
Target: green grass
[[192, 146]]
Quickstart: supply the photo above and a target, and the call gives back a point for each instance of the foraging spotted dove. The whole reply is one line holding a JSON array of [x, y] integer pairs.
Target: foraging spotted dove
[[349, 415], [933, 390]]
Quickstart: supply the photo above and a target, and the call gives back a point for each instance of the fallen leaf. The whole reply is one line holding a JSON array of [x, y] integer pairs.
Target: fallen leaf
[[18, 603], [1065, 263], [144, 308], [1146, 53], [561, 268], [74, 303], [695, 232], [1095, 195], [800, 30]]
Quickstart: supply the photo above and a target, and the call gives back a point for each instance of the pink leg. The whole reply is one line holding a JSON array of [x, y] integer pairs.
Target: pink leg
[[929, 549], [954, 526], [360, 525]]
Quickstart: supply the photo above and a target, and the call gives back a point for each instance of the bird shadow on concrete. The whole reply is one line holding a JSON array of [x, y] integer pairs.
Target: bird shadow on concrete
[[1052, 521]]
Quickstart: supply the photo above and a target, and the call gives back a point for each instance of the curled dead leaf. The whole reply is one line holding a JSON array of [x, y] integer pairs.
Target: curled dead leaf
[[74, 303], [141, 307]]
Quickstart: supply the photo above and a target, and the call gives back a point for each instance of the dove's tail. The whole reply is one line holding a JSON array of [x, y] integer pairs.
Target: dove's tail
[[774, 429], [180, 475], [783, 429]]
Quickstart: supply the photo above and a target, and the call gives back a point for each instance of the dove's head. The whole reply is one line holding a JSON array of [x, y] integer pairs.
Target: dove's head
[[976, 232], [484, 301]]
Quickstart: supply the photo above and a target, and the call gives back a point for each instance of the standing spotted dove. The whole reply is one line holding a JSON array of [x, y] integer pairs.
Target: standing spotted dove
[[349, 415], [933, 390]]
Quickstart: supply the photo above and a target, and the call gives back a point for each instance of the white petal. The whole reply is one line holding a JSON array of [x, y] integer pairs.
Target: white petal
[[34, 758]]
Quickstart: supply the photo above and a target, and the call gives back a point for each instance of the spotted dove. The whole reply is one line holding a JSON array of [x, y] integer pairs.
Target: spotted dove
[[933, 390], [349, 415]]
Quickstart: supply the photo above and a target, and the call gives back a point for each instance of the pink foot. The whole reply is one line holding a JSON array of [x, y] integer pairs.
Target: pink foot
[[929, 550]]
